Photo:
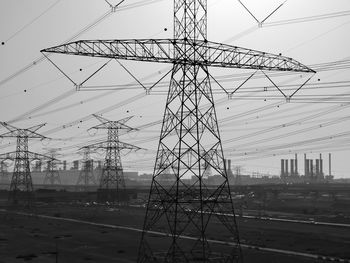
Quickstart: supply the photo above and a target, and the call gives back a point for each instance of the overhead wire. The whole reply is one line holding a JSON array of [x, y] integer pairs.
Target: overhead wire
[[333, 67], [31, 21], [77, 34]]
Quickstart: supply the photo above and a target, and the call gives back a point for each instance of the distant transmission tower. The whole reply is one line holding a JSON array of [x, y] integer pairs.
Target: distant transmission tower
[[52, 175], [3, 172], [112, 178], [86, 175], [185, 209], [21, 183]]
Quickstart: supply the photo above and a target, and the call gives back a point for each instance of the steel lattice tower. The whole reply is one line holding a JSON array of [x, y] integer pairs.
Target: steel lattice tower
[[52, 175], [3, 171], [187, 208], [86, 175], [112, 177], [21, 179]]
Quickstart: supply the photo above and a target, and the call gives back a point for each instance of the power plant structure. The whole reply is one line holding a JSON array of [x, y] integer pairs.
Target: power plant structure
[[293, 171], [313, 170], [233, 173], [190, 138]]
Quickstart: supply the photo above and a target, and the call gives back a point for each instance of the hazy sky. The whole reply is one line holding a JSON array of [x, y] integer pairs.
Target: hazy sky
[[258, 127]]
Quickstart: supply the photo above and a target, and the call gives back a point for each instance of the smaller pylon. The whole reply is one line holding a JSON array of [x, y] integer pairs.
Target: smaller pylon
[[3, 172], [86, 175], [112, 178], [52, 175], [21, 183]]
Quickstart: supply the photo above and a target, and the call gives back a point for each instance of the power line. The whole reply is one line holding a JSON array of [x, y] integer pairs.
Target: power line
[[31, 22]]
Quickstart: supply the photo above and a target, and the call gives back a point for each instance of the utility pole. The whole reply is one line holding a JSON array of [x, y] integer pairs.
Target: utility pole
[[189, 136], [21, 182], [112, 181]]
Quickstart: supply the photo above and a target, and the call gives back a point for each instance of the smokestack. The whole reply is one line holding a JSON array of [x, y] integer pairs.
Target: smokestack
[[330, 164], [282, 168], [311, 169], [306, 165], [296, 164], [286, 167], [229, 164], [321, 165], [317, 168], [291, 167]]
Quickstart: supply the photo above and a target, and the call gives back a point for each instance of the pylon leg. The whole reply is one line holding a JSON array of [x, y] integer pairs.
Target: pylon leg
[[189, 204]]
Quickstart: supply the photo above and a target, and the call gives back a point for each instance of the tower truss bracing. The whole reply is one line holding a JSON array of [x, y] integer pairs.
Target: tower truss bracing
[[185, 207], [86, 176], [112, 177], [21, 183]]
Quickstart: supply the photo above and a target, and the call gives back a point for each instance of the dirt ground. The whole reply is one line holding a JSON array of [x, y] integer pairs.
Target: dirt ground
[[35, 239]]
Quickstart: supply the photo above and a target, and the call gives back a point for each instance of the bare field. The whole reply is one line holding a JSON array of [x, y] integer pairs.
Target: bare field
[[37, 239]]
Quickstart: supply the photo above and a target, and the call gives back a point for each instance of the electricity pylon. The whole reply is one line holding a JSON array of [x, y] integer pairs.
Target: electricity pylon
[[86, 175], [52, 175], [3, 172], [186, 209], [21, 182], [112, 177]]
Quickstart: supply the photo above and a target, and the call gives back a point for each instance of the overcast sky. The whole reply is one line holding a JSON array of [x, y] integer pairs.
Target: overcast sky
[[258, 127]]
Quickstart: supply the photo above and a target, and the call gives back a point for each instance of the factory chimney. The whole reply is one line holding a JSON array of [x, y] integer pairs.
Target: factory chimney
[[330, 164], [321, 166], [311, 168]]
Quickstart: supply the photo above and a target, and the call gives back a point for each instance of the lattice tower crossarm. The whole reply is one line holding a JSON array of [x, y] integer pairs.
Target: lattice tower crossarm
[[182, 51], [187, 207]]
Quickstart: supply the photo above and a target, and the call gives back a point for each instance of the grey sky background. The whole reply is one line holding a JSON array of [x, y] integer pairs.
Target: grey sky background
[[258, 127]]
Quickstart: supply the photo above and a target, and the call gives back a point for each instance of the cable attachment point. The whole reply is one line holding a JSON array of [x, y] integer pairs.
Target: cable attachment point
[[114, 7], [78, 87]]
